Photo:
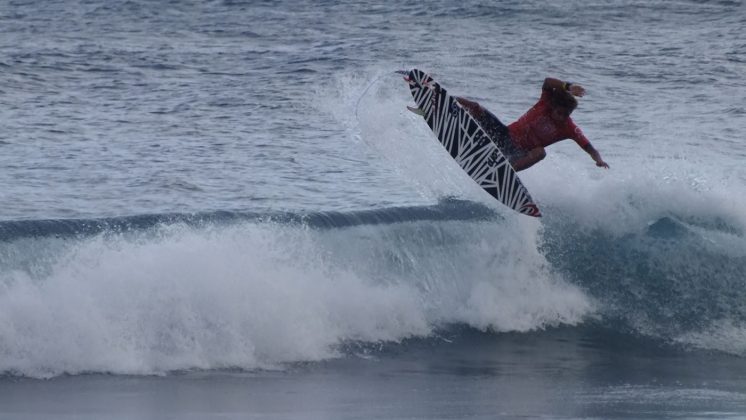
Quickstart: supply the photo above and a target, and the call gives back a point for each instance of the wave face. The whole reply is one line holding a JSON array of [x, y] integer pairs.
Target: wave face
[[154, 294], [678, 278]]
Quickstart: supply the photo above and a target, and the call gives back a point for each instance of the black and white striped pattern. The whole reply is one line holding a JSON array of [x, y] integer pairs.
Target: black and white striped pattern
[[468, 144]]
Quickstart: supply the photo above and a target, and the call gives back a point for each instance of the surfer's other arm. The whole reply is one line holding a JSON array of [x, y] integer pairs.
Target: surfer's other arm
[[574, 89]]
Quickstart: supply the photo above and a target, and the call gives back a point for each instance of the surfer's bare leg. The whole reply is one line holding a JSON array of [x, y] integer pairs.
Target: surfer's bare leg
[[529, 159]]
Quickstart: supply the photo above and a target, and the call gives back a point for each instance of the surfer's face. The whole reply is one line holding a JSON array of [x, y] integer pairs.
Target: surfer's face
[[560, 114]]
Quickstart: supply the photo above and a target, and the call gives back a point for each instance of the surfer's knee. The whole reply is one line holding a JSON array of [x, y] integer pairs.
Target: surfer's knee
[[529, 159], [538, 154]]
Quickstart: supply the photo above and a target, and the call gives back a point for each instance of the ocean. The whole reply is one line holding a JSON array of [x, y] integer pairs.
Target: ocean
[[222, 209]]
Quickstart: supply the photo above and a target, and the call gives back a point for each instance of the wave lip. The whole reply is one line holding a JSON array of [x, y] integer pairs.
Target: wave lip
[[445, 209]]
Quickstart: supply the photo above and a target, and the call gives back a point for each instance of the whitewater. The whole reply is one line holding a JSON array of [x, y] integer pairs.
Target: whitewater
[[230, 198]]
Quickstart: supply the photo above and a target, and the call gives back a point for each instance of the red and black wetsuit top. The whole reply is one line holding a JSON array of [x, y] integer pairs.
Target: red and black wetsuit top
[[536, 128]]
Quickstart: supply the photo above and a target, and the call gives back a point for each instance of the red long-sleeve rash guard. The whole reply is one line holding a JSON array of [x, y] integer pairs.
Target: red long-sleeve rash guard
[[536, 128]]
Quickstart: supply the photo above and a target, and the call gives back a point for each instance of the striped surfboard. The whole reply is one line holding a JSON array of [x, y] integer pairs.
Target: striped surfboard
[[467, 143]]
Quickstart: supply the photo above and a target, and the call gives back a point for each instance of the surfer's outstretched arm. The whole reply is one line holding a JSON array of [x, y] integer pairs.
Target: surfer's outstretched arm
[[595, 156]]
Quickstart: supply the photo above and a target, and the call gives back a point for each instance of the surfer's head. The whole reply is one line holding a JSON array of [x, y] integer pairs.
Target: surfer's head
[[563, 104]]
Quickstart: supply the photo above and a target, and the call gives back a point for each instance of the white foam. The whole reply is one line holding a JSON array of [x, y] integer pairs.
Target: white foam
[[258, 296], [635, 191], [517, 291], [247, 297], [725, 336]]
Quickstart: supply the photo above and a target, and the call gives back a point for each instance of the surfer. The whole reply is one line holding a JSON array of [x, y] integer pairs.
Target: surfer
[[547, 122]]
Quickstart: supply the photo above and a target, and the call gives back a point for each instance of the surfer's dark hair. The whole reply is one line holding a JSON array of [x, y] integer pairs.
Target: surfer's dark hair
[[563, 99]]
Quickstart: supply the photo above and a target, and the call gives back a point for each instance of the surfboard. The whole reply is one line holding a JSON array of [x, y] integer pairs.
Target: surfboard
[[467, 143]]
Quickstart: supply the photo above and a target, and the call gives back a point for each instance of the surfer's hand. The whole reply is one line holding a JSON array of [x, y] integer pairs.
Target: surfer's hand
[[595, 156], [577, 90]]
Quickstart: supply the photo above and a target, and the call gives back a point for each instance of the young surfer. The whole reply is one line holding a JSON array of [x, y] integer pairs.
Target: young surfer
[[546, 123]]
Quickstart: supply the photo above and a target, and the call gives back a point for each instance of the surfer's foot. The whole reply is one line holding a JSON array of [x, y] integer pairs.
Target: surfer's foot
[[471, 107]]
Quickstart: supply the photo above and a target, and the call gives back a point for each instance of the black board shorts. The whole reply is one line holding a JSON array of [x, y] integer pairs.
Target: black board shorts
[[500, 135]]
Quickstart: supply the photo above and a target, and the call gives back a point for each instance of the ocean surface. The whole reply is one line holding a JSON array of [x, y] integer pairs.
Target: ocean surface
[[222, 209]]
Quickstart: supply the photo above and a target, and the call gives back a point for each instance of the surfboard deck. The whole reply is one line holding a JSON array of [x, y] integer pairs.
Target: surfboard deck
[[467, 143]]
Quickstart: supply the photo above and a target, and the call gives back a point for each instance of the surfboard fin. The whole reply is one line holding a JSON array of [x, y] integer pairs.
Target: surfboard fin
[[417, 111]]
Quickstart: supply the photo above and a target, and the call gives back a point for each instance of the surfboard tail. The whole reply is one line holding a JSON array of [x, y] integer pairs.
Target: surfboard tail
[[530, 209]]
